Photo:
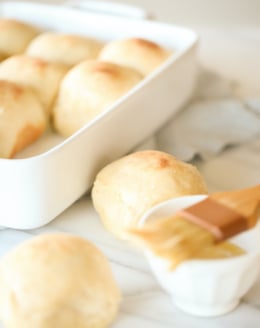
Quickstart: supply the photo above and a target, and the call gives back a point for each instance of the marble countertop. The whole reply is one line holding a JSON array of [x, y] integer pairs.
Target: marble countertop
[[144, 304]]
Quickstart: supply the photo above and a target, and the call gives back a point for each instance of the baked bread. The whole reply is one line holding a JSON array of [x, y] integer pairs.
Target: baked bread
[[64, 48], [87, 90], [41, 76], [126, 188], [22, 118], [140, 54], [57, 281], [15, 36]]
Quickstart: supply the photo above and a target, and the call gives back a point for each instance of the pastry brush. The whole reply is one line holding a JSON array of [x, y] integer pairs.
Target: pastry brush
[[200, 231]]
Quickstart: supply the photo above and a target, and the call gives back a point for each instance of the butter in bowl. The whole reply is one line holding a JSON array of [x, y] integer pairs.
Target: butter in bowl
[[207, 280]]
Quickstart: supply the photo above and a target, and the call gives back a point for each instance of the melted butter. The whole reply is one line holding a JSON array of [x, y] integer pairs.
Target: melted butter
[[220, 251]]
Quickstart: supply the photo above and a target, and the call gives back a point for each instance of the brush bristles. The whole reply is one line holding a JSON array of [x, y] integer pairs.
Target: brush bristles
[[174, 238], [178, 240]]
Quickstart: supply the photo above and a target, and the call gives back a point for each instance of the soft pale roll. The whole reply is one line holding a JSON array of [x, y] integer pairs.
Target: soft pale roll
[[15, 36], [87, 90], [140, 54], [131, 185], [22, 118], [41, 76], [57, 281], [62, 48]]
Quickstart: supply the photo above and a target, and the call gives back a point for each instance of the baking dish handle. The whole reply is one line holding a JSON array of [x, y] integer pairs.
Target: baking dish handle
[[110, 8]]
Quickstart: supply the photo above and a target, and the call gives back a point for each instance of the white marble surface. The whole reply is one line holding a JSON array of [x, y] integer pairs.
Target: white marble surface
[[144, 304]]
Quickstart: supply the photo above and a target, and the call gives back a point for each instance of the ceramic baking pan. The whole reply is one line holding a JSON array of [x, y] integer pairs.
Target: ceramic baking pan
[[53, 173]]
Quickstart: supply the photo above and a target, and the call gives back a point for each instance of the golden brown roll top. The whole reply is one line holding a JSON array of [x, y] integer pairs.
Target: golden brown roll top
[[57, 280], [22, 118], [126, 188], [62, 48], [15, 36], [140, 54], [41, 76], [87, 90]]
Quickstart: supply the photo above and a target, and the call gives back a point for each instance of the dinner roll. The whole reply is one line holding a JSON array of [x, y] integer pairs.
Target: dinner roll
[[64, 48], [88, 89], [15, 36], [22, 118], [126, 188], [42, 76], [57, 281], [140, 54]]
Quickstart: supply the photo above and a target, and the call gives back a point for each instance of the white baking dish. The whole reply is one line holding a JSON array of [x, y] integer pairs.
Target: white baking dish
[[51, 174]]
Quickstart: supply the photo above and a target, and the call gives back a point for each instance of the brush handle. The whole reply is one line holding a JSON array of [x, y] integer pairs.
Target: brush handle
[[245, 201]]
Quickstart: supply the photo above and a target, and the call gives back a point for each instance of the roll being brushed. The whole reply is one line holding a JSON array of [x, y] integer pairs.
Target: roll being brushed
[[126, 188]]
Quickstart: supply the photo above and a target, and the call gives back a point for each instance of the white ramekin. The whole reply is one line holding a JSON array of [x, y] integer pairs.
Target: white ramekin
[[206, 287]]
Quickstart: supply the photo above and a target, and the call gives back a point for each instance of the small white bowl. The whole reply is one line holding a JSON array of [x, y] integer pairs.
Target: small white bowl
[[206, 287]]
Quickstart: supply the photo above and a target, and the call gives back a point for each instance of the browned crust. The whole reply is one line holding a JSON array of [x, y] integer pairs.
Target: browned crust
[[146, 43], [11, 88], [105, 68], [26, 136], [159, 159], [9, 22], [37, 62]]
